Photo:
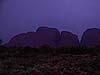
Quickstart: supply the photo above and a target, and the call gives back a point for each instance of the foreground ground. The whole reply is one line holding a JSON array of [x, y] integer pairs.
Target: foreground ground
[[49, 64]]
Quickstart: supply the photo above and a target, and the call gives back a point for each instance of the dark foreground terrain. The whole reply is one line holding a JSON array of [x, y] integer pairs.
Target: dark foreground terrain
[[49, 61]]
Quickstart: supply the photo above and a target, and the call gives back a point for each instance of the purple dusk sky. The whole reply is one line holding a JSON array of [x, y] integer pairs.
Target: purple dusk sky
[[18, 16]]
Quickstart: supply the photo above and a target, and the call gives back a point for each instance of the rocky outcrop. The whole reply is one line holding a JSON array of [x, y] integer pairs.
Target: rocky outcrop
[[48, 36], [22, 40], [91, 38], [44, 36], [68, 39]]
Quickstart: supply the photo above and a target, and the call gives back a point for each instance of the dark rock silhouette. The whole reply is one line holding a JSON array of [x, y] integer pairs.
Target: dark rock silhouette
[[44, 36], [68, 39], [48, 36], [21, 40], [91, 38]]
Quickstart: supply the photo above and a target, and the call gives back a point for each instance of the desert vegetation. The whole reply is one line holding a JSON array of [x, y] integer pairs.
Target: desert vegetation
[[49, 61]]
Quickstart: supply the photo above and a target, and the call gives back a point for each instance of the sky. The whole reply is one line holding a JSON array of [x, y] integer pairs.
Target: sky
[[19, 16]]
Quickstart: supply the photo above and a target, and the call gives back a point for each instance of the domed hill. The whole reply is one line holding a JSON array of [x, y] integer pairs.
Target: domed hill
[[44, 36], [48, 36], [22, 40], [68, 39], [91, 38]]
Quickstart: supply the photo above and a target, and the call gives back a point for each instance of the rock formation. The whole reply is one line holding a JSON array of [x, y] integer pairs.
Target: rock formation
[[48, 36], [21, 40], [68, 39], [44, 36], [91, 38]]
